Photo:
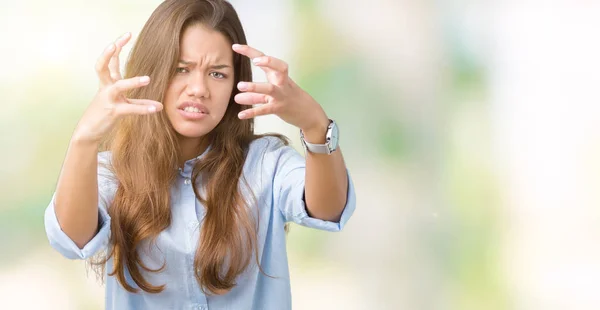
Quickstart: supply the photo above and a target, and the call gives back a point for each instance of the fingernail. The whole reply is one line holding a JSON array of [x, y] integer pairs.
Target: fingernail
[[257, 60], [144, 79], [125, 36], [152, 108], [110, 47], [236, 46], [242, 86], [242, 114]]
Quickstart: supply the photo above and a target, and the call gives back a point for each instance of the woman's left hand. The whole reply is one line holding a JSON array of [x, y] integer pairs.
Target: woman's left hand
[[280, 95]]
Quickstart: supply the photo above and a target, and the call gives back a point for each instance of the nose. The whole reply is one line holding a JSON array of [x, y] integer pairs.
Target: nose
[[197, 85]]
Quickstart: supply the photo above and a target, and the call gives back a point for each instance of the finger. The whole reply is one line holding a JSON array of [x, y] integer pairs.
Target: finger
[[146, 102], [262, 88], [123, 109], [247, 50], [114, 65], [143, 101], [102, 65], [121, 86], [272, 63], [252, 98], [264, 109]]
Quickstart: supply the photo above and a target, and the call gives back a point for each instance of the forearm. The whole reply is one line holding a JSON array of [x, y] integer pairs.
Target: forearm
[[326, 186], [76, 201]]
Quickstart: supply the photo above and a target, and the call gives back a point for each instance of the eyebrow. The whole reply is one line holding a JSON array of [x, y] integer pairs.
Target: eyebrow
[[220, 66]]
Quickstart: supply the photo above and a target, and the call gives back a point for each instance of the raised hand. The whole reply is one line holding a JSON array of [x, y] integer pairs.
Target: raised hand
[[280, 95], [109, 103]]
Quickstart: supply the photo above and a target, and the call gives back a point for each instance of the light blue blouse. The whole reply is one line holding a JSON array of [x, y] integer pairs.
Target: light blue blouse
[[275, 173]]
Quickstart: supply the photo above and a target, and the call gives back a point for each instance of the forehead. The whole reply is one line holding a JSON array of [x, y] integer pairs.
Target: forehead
[[200, 43]]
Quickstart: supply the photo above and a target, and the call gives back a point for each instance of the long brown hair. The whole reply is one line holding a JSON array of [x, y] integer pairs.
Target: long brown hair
[[145, 154]]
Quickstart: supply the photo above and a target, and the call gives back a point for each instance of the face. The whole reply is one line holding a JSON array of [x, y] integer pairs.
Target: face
[[198, 95]]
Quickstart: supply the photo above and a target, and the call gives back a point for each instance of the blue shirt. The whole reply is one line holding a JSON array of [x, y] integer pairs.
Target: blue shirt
[[275, 173]]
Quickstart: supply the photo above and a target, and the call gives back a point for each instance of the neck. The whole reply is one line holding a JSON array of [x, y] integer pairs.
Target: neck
[[191, 148]]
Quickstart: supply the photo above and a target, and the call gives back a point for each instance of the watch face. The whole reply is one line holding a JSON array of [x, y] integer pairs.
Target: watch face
[[334, 138]]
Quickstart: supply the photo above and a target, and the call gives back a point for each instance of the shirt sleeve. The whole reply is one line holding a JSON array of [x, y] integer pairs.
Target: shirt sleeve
[[288, 191], [65, 245]]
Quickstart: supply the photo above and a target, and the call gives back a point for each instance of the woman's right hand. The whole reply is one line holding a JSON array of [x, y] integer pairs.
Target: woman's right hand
[[110, 104]]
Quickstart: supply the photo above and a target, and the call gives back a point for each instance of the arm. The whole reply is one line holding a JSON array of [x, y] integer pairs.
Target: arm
[[76, 199], [326, 179], [326, 185], [77, 192]]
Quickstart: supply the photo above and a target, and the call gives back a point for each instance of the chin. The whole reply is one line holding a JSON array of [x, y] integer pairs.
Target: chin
[[192, 130]]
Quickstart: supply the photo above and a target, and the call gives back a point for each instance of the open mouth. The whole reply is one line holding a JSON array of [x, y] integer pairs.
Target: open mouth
[[192, 110]]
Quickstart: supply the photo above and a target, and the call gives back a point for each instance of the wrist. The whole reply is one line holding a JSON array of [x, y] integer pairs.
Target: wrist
[[82, 140], [316, 133]]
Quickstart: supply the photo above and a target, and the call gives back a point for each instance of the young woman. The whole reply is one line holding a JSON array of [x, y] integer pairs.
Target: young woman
[[186, 208]]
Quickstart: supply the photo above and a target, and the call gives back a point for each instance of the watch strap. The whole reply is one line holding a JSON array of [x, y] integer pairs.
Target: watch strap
[[318, 148]]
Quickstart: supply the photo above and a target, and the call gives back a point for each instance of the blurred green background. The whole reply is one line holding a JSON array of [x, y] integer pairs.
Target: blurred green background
[[471, 130]]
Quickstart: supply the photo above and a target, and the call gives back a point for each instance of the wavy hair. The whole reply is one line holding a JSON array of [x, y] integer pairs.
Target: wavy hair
[[146, 170]]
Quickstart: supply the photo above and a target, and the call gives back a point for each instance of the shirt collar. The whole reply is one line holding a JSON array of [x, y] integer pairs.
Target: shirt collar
[[189, 164]]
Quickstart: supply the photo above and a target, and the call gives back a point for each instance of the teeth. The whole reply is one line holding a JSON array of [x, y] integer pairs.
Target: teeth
[[192, 109]]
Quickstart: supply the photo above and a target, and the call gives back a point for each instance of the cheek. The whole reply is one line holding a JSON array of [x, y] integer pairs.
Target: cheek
[[170, 101], [171, 95], [223, 96]]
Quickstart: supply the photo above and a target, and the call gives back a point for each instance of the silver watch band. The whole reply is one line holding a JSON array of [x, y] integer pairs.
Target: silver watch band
[[329, 146], [317, 148]]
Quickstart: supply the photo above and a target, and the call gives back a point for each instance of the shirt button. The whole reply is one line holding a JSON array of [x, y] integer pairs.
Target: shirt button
[[187, 181]]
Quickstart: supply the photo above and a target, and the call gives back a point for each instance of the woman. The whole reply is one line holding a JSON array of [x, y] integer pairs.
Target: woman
[[187, 207]]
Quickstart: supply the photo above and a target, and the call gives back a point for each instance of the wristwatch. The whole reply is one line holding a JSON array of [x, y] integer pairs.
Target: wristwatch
[[331, 141]]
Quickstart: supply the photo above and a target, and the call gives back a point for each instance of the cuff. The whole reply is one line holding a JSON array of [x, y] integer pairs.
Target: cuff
[[67, 247], [300, 215]]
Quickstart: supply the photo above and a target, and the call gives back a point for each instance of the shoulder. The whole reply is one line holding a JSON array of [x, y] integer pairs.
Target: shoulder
[[271, 152], [105, 169], [104, 157], [271, 143], [265, 151], [104, 160], [267, 146]]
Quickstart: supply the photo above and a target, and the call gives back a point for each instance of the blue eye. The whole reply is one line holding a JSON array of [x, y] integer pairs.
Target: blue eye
[[218, 75]]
